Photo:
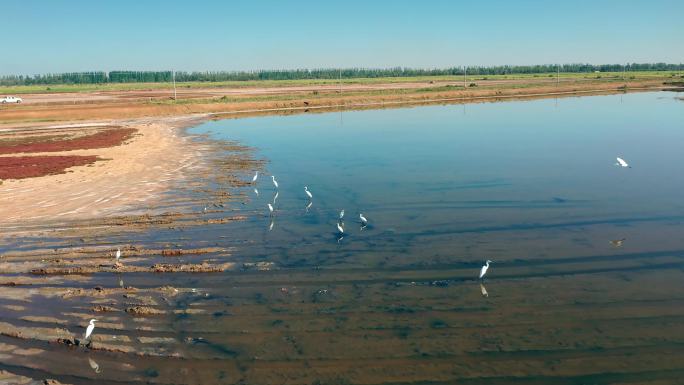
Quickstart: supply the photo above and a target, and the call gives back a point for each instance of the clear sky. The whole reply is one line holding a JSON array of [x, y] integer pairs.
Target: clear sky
[[40, 36]]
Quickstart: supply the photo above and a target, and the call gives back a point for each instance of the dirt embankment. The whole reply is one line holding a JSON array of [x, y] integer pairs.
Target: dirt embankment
[[130, 104]]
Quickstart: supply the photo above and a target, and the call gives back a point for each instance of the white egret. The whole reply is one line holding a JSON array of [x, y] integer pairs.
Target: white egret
[[621, 162], [340, 228], [118, 254], [341, 214], [364, 221], [275, 182], [308, 193], [270, 209], [256, 175], [484, 269], [483, 290], [90, 328]]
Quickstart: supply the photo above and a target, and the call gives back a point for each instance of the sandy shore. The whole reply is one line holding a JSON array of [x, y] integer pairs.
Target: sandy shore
[[130, 178]]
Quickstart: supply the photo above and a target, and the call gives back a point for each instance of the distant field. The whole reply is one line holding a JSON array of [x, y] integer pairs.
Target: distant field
[[4, 90]]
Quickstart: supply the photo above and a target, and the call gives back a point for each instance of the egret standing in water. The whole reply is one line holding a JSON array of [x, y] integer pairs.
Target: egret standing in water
[[275, 182], [118, 254], [364, 221], [308, 193], [270, 209], [341, 214], [256, 175], [484, 269], [621, 162], [90, 328]]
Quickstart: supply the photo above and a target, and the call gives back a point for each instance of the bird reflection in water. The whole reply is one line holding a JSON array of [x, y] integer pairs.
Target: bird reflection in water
[[94, 365], [484, 290]]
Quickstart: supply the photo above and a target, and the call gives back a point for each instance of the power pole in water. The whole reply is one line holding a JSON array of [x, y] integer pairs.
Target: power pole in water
[[173, 74]]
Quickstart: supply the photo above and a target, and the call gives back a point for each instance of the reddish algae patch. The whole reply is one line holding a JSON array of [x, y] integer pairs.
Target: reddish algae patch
[[104, 139], [22, 167]]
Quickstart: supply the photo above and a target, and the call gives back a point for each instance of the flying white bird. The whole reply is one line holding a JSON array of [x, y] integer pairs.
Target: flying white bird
[[275, 183], [118, 254], [270, 209], [256, 175], [484, 269], [340, 228], [341, 214], [364, 221], [308, 193], [621, 162], [90, 328], [617, 242]]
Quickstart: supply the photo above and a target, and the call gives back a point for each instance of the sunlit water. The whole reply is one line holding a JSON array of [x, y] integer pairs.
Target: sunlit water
[[587, 283], [449, 184]]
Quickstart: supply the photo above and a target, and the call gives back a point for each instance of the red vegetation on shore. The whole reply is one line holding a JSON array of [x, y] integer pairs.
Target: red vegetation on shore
[[103, 139], [21, 167]]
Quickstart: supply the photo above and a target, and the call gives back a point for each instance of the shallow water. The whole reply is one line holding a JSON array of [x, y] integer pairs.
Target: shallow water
[[587, 283], [455, 184]]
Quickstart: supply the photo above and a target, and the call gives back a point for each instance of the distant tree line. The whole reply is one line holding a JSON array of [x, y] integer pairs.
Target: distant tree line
[[329, 73]]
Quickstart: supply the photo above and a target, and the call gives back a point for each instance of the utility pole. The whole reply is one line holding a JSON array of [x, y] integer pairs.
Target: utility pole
[[558, 75], [340, 81], [173, 74], [465, 72]]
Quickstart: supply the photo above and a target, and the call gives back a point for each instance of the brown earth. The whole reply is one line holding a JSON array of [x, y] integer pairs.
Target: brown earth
[[22, 167], [268, 99], [102, 139]]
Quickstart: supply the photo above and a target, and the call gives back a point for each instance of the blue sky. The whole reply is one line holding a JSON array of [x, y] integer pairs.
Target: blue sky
[[61, 35]]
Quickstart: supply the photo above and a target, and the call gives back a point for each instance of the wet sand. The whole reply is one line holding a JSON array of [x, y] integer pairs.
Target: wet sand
[[128, 178]]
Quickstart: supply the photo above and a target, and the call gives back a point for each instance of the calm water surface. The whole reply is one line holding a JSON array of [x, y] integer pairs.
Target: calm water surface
[[587, 284], [455, 184]]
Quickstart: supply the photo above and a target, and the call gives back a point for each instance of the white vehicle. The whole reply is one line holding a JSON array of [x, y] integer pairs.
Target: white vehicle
[[10, 99]]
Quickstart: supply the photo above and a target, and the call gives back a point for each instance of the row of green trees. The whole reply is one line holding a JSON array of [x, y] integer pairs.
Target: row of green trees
[[329, 73]]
